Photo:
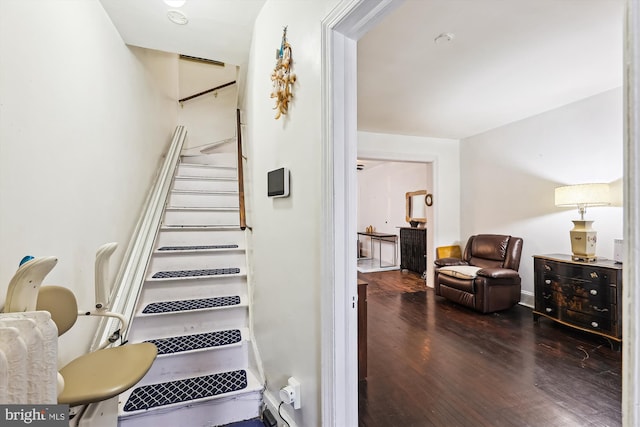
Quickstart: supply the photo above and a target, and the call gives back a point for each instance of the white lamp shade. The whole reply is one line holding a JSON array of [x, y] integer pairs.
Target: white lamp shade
[[583, 195]]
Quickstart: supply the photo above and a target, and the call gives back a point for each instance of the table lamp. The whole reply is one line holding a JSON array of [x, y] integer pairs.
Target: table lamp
[[583, 237]]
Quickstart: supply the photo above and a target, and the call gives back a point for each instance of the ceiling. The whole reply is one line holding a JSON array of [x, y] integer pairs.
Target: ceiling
[[217, 29], [507, 60]]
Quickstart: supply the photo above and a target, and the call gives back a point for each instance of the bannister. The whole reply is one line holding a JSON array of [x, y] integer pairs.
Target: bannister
[[243, 218], [204, 92], [130, 278]]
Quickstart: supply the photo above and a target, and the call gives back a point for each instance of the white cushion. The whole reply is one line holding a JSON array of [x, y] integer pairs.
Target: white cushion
[[460, 271]]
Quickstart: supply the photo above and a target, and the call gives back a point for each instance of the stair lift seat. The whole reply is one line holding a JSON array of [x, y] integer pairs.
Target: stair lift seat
[[99, 375]]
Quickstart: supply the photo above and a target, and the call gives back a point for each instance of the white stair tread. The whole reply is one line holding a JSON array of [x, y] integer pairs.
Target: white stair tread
[[195, 305], [188, 391], [200, 281], [201, 227], [205, 178], [200, 250], [185, 249], [213, 158], [200, 209], [204, 226], [203, 272], [207, 165], [181, 344], [206, 192]]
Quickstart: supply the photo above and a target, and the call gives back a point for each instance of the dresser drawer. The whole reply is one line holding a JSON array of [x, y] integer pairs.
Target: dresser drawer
[[593, 306], [597, 294], [579, 271], [604, 323], [589, 321]]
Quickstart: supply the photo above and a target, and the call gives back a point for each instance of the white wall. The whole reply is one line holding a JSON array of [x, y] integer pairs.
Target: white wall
[[212, 117], [508, 176], [382, 202], [286, 240], [444, 155], [83, 122]]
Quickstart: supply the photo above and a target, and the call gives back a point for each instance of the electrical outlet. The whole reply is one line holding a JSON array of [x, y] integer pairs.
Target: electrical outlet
[[290, 394], [295, 385]]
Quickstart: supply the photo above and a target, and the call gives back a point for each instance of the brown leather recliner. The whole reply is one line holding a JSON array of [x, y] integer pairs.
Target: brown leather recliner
[[486, 278]]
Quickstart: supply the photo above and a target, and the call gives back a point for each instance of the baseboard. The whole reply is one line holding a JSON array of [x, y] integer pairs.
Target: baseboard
[[527, 299], [272, 402]]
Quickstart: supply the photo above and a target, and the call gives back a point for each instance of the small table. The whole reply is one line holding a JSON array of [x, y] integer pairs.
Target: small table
[[381, 237]]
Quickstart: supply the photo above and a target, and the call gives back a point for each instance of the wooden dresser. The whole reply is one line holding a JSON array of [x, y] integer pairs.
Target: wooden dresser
[[413, 249], [583, 295]]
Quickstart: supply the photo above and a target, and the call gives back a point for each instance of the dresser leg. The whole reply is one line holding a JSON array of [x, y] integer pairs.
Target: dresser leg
[[536, 317]]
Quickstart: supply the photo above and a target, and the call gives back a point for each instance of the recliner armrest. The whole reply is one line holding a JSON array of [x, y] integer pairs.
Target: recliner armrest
[[498, 273], [446, 262]]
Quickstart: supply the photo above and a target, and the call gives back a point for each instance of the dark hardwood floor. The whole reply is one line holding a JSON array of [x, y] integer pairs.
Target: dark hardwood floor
[[434, 363]]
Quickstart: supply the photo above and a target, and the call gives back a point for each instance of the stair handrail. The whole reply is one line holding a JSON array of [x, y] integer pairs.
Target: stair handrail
[[243, 216], [206, 148], [204, 92], [130, 277]]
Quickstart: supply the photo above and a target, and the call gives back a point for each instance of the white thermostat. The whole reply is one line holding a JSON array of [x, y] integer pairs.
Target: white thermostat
[[278, 183]]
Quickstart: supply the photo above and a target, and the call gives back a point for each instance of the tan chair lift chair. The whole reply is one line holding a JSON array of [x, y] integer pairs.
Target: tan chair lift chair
[[95, 376], [99, 375]]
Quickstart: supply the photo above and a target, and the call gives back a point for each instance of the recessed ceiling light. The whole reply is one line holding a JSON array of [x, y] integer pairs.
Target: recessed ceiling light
[[444, 38], [175, 3], [177, 17]]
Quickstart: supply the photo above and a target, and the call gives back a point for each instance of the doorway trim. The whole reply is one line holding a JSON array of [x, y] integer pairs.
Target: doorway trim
[[631, 183], [340, 31]]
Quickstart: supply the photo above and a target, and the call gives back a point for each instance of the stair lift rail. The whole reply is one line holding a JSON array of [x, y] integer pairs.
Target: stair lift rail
[[130, 278]]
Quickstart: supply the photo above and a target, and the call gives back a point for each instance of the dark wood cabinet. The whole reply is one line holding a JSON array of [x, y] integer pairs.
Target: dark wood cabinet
[[413, 249], [583, 295]]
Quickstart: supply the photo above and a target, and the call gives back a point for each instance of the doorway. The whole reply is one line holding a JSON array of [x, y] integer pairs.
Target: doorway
[[341, 30], [382, 187]]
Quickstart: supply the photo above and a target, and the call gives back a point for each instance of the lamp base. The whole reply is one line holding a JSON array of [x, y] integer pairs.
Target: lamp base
[[583, 241]]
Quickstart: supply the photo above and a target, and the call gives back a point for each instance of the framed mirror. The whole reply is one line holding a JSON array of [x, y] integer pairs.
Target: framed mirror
[[416, 207]]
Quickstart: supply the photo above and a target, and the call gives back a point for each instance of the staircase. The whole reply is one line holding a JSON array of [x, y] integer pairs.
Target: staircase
[[194, 306]]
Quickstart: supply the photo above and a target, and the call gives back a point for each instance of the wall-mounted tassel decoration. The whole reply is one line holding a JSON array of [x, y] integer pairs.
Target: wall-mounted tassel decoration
[[282, 77]]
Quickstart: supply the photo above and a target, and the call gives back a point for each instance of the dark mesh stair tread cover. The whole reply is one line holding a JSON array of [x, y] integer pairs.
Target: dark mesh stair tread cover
[[191, 304], [154, 395], [191, 248], [195, 273], [197, 341]]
